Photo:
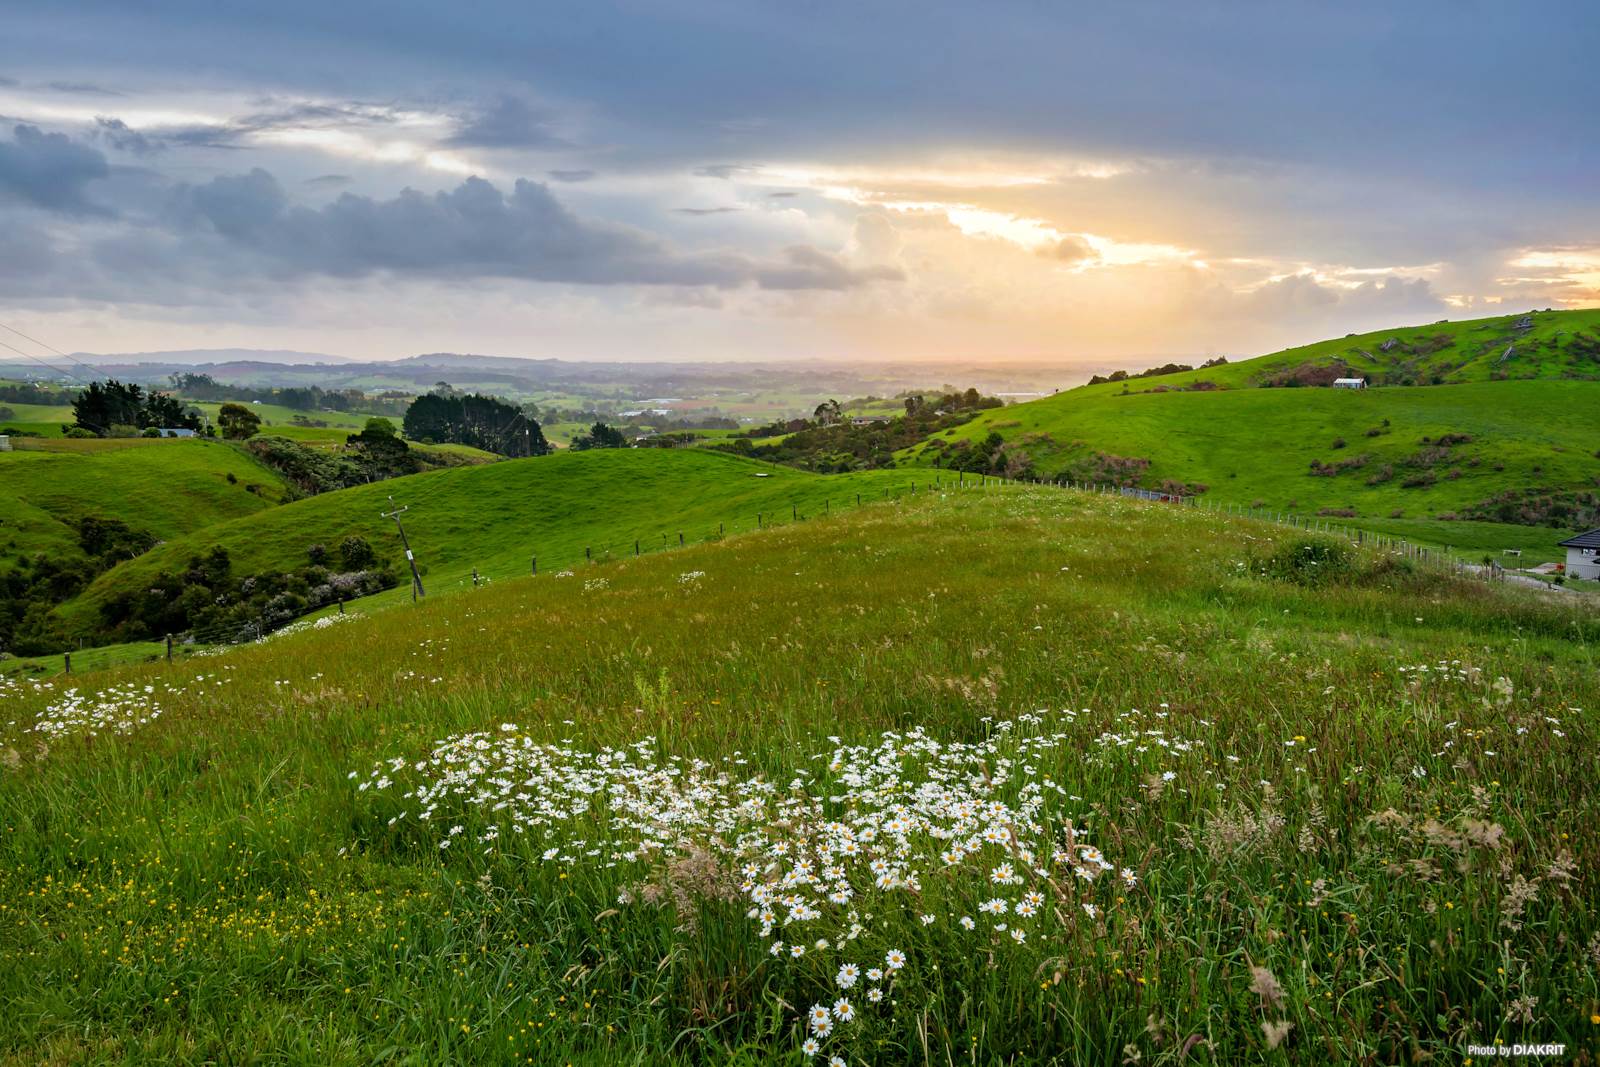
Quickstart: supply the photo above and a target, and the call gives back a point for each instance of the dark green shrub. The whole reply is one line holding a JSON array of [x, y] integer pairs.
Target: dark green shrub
[[356, 553], [1311, 562]]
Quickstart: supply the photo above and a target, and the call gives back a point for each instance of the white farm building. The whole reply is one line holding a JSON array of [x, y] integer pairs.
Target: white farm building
[[1583, 555]]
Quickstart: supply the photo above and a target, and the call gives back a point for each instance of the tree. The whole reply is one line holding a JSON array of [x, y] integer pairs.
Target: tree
[[238, 422], [828, 413], [107, 404], [167, 412], [485, 422], [381, 451], [600, 436]]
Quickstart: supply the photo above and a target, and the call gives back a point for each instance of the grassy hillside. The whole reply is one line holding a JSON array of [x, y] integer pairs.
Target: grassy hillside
[[1352, 820], [496, 517], [1374, 452], [1545, 344], [43, 419], [165, 488]]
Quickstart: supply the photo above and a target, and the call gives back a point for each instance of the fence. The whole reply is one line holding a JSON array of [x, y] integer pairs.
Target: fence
[[669, 540]]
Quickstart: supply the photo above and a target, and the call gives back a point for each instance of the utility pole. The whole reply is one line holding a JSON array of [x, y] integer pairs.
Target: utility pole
[[416, 579]]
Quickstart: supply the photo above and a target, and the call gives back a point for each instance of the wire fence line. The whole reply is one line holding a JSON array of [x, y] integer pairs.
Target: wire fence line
[[198, 640]]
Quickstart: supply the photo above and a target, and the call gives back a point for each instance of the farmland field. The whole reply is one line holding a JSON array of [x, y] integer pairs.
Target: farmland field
[[1003, 775]]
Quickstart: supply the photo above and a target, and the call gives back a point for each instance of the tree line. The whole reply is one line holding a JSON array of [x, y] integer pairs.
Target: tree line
[[111, 407], [485, 422]]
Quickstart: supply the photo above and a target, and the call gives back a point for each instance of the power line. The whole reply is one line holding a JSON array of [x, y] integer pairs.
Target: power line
[[52, 348], [42, 363]]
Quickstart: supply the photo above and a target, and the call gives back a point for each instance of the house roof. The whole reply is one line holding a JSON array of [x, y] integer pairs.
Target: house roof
[[1583, 540]]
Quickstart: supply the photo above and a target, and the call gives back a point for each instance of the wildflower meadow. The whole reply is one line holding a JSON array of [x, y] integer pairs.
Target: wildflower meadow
[[1014, 776]]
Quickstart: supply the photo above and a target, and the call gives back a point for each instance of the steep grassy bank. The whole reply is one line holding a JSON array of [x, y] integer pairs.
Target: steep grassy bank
[[1352, 820], [496, 518], [163, 488]]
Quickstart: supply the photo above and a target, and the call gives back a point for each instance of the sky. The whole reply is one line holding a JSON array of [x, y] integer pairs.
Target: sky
[[1005, 181]]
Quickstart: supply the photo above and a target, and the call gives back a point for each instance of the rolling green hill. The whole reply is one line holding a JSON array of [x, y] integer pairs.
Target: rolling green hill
[[1545, 344], [165, 488], [497, 517], [1062, 778], [1376, 452]]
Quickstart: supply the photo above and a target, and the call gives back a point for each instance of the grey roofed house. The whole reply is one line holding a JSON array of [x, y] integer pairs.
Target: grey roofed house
[[176, 431], [1583, 555], [1349, 383]]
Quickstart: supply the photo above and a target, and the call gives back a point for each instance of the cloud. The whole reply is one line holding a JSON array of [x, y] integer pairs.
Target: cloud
[[50, 171], [723, 171], [292, 115], [570, 175], [509, 122], [328, 181], [1071, 249], [124, 138], [84, 88], [706, 210], [811, 268], [246, 225], [1304, 298], [875, 239], [783, 194]]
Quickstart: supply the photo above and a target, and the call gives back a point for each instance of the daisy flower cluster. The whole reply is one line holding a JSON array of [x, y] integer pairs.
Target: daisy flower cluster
[[323, 623], [1452, 670], [836, 854], [114, 710]]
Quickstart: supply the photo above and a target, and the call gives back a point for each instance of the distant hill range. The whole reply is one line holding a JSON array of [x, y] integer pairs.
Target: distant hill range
[[202, 357]]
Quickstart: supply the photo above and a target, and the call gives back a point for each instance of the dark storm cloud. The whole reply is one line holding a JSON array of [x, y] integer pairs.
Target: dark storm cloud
[[49, 170], [1209, 77], [242, 230], [473, 230], [328, 181], [570, 175], [509, 122], [705, 210]]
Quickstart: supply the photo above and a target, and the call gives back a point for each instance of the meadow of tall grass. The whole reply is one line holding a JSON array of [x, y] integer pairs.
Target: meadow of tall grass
[[990, 776]]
